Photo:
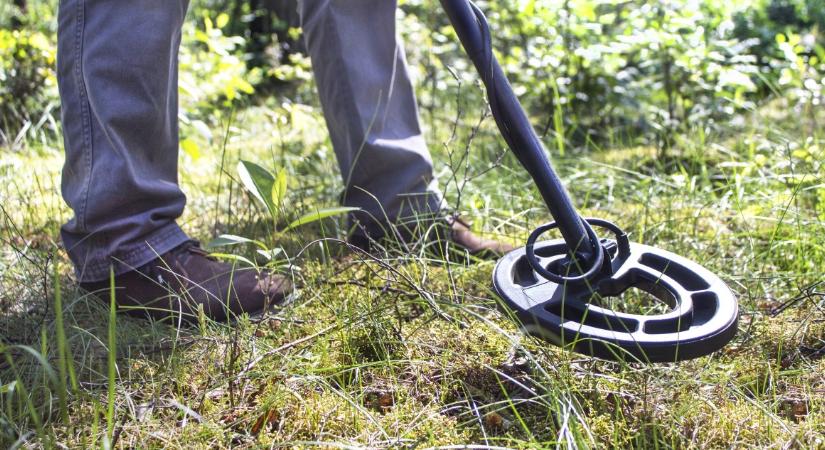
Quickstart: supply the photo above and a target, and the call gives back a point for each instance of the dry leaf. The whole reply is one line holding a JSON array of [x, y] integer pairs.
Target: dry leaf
[[270, 418], [494, 421]]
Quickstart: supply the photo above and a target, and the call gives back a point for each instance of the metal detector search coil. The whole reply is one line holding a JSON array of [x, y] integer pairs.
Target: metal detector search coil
[[702, 314], [554, 286]]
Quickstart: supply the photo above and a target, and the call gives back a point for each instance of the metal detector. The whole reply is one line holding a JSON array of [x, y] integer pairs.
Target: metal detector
[[555, 286]]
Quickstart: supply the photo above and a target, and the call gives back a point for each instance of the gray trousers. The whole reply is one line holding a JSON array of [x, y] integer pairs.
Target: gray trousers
[[117, 74]]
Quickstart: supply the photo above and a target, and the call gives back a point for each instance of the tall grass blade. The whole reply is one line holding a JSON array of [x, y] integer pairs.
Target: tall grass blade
[[64, 364], [23, 392], [110, 410], [320, 215]]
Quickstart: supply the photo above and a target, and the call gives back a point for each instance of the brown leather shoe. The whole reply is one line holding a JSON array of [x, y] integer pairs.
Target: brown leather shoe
[[185, 279], [462, 235], [437, 233]]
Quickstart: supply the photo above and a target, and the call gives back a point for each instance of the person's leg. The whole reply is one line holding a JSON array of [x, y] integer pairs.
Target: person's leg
[[117, 74], [370, 109]]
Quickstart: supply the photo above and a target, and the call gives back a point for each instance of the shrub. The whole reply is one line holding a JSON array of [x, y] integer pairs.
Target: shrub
[[635, 69], [213, 77], [28, 87], [766, 19]]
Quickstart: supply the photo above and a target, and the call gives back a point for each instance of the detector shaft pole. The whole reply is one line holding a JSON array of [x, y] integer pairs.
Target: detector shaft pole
[[514, 125]]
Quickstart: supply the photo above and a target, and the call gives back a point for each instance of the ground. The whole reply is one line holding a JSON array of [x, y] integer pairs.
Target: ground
[[406, 351]]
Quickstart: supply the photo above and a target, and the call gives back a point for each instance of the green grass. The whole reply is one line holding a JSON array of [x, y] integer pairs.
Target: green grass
[[403, 351]]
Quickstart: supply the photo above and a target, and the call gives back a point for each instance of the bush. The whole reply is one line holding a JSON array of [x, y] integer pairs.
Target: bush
[[636, 69], [213, 77], [28, 87], [764, 21], [767, 18], [213, 73]]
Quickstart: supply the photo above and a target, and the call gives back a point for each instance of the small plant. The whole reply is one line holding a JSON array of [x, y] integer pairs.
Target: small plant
[[270, 191]]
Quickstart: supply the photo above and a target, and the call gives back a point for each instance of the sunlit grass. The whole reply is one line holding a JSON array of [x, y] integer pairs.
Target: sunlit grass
[[402, 351]]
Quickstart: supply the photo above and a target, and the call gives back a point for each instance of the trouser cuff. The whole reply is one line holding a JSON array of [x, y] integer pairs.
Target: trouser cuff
[[96, 266], [418, 212]]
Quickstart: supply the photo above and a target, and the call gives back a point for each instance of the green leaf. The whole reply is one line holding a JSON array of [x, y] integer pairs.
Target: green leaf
[[190, 148], [271, 254], [584, 9], [258, 181], [319, 215], [529, 8], [222, 20], [203, 129], [230, 239], [279, 188], [231, 257]]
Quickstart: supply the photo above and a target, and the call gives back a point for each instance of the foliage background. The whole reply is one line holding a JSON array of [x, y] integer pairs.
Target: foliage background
[[696, 124], [632, 71]]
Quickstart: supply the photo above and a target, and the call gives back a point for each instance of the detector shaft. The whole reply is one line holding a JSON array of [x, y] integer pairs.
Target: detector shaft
[[514, 125]]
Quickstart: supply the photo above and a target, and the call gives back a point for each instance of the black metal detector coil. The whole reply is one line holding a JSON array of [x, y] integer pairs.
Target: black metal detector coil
[[557, 288], [701, 316]]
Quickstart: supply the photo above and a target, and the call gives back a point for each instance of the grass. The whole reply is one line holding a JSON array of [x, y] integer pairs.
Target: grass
[[404, 351]]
